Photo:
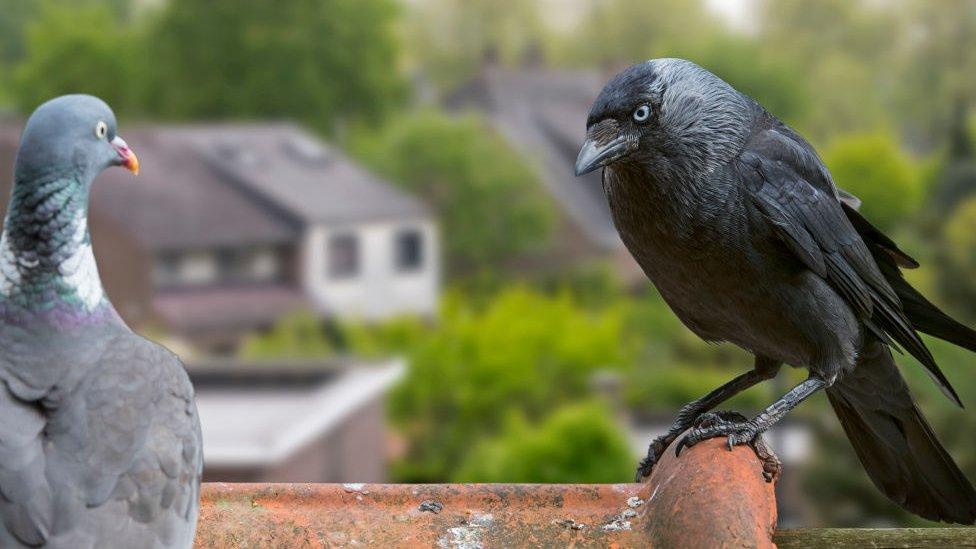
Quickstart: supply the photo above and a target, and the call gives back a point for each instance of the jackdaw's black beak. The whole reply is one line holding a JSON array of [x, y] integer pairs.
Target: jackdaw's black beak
[[593, 156]]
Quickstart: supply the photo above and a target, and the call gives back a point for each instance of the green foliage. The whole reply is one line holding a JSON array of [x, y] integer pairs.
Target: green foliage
[[873, 168], [490, 203], [663, 388], [318, 61], [450, 39], [74, 49], [299, 335], [379, 340], [774, 81], [526, 353], [937, 70], [954, 178], [577, 443], [16, 15], [322, 62], [617, 32], [958, 258]]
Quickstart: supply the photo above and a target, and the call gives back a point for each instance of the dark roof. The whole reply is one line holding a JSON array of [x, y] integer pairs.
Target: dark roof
[[226, 308], [300, 174], [226, 184], [544, 112], [180, 201]]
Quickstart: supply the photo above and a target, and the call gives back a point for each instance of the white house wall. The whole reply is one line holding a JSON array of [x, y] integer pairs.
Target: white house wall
[[379, 290]]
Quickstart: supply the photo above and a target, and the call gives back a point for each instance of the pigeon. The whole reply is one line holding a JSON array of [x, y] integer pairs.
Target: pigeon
[[100, 440], [735, 219]]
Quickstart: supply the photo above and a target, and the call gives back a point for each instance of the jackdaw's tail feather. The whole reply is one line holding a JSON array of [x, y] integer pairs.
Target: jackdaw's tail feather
[[895, 443], [924, 315], [927, 318]]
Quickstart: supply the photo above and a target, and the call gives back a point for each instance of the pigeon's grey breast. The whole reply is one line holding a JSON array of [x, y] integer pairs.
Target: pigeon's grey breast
[[99, 444]]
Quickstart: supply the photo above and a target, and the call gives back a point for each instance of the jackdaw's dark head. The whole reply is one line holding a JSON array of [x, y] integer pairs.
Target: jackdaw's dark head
[[71, 136], [664, 113]]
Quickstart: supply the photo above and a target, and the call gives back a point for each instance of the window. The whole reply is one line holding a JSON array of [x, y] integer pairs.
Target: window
[[409, 250], [247, 264], [264, 265], [232, 265], [343, 255], [198, 269], [166, 269]]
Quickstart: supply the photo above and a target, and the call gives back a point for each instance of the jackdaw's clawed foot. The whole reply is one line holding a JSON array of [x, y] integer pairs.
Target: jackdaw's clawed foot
[[737, 430], [654, 452]]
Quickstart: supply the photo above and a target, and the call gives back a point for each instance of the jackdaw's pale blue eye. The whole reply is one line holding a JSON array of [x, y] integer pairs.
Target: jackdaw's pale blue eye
[[642, 113]]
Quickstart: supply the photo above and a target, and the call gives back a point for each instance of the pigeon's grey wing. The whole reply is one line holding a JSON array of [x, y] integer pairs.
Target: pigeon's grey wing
[[145, 454], [790, 186], [26, 508], [113, 461]]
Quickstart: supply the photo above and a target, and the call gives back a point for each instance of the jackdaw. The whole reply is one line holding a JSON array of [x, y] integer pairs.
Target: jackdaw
[[737, 222]]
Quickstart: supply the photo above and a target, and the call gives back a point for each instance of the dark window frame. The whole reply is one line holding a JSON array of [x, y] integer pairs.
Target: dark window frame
[[343, 256], [409, 250]]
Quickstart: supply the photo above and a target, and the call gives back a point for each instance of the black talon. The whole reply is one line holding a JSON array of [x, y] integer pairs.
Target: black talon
[[681, 444], [644, 469]]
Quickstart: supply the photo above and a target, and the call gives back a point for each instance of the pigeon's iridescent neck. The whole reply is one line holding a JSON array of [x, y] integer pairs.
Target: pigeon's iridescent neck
[[48, 272]]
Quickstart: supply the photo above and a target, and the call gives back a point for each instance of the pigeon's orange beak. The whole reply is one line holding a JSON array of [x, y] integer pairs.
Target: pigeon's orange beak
[[127, 158]]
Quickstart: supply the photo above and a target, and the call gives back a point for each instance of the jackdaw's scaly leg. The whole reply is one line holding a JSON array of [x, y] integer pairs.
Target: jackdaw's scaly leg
[[763, 370], [739, 430]]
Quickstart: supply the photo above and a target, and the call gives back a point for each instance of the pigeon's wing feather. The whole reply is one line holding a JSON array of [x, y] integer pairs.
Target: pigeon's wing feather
[[792, 188], [146, 445], [117, 459], [26, 511]]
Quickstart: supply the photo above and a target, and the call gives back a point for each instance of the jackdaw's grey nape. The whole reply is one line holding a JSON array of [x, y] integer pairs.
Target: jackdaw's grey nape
[[99, 436], [735, 219]]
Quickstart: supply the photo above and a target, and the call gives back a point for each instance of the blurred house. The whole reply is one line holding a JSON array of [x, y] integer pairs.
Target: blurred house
[[230, 226], [542, 112], [293, 421]]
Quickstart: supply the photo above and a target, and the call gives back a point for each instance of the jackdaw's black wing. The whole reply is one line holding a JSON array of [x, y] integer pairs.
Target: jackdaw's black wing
[[890, 436], [792, 188]]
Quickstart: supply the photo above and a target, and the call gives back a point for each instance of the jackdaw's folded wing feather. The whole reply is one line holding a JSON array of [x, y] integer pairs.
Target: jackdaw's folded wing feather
[[792, 188]]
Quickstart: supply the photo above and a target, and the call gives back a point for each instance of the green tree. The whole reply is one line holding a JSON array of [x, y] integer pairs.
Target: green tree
[[958, 258], [938, 68], [450, 39], [576, 443], [525, 353], [874, 169], [75, 49], [322, 62], [954, 180], [866, 30], [489, 201], [299, 335], [621, 32], [844, 49]]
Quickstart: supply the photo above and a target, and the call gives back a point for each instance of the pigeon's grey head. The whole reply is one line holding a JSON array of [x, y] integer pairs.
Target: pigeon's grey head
[[668, 115], [72, 136]]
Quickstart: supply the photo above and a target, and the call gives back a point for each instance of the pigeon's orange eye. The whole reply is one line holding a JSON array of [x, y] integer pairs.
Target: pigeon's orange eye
[[642, 113], [101, 130]]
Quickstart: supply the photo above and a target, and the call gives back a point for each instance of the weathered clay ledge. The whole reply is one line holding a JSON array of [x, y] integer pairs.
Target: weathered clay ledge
[[710, 497]]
